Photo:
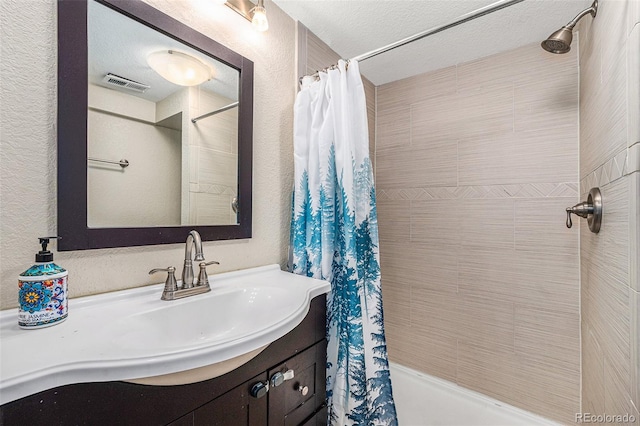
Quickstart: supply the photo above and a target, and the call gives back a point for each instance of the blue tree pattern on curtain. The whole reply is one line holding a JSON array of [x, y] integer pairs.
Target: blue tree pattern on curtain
[[333, 224]]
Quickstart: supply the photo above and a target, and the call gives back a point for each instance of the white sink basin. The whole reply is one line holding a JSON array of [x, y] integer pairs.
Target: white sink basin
[[235, 312], [132, 335]]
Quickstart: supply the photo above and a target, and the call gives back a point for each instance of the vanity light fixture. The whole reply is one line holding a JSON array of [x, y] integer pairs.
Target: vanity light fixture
[[180, 68], [259, 19], [256, 13]]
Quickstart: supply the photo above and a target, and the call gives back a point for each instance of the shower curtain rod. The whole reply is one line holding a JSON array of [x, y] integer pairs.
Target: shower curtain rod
[[493, 7]]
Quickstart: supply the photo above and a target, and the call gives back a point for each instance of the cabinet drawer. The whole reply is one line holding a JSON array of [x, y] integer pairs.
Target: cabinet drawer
[[318, 419], [288, 405], [234, 408]]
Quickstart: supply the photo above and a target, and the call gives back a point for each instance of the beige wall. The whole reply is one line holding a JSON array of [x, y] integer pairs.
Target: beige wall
[[475, 166], [213, 165], [145, 193], [175, 111], [610, 159], [28, 148]]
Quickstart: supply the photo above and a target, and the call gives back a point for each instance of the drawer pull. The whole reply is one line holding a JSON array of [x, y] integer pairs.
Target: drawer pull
[[279, 378], [304, 390]]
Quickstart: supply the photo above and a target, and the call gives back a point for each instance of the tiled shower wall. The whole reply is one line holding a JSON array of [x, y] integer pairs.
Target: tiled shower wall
[[475, 165], [610, 159]]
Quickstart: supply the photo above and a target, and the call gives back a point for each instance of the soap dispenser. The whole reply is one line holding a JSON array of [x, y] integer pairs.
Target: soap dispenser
[[42, 291]]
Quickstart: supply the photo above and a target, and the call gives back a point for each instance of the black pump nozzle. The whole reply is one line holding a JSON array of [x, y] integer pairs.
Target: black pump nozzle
[[45, 255]]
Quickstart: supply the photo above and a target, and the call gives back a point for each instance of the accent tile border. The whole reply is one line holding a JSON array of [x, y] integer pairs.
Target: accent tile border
[[527, 190], [212, 189], [623, 163]]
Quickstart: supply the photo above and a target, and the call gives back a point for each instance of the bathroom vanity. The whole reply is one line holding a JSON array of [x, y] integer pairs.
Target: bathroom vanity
[[252, 351], [224, 400]]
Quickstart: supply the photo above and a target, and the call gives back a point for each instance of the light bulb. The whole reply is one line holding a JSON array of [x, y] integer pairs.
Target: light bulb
[[259, 20]]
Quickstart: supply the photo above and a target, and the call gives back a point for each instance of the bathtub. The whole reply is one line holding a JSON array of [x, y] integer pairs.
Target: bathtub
[[423, 400]]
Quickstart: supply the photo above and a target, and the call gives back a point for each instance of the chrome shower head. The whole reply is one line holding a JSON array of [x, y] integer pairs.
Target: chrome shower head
[[560, 41]]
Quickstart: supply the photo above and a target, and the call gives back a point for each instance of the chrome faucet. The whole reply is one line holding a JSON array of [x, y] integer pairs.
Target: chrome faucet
[[189, 287], [193, 239]]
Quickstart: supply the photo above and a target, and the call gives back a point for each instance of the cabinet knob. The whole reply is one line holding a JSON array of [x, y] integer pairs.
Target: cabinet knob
[[259, 389], [304, 390]]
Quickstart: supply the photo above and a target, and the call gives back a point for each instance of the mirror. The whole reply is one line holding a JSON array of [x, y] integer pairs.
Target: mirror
[[177, 137], [154, 129]]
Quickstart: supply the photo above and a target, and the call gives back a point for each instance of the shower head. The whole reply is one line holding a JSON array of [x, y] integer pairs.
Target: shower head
[[560, 41]]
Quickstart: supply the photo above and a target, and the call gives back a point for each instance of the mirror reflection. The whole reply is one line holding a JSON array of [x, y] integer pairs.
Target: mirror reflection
[[162, 137]]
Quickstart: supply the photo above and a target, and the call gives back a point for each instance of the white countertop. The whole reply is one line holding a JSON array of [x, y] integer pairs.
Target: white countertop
[[133, 334]]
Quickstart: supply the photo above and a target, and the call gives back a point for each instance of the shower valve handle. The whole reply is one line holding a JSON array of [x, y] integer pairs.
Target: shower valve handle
[[590, 210], [581, 209]]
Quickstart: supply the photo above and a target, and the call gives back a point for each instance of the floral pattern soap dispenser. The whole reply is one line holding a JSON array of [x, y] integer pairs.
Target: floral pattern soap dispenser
[[42, 291]]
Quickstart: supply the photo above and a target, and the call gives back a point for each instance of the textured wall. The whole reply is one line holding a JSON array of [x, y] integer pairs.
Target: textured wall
[[475, 166], [610, 159], [28, 148]]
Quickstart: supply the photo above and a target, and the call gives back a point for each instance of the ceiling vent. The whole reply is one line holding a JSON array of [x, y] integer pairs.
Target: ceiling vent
[[125, 83]]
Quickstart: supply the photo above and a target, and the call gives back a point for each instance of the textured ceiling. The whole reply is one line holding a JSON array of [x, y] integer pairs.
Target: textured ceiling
[[353, 27]]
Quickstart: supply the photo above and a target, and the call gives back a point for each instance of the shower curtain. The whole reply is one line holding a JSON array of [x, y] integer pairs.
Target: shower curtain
[[334, 236]]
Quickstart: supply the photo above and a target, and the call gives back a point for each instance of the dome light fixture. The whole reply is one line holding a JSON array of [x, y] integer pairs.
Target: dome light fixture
[[180, 68]]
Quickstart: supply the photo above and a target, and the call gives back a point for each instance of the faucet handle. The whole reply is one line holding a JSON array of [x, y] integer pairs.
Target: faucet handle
[[203, 279], [170, 284]]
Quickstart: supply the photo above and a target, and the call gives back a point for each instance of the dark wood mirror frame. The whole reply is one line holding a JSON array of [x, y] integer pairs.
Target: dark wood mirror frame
[[72, 131]]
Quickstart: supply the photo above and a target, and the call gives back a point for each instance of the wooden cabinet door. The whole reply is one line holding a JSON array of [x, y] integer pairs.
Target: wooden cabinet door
[[288, 404], [235, 408], [318, 419]]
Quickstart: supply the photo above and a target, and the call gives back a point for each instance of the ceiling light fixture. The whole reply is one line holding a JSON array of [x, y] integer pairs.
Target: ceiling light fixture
[[256, 13], [180, 68]]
